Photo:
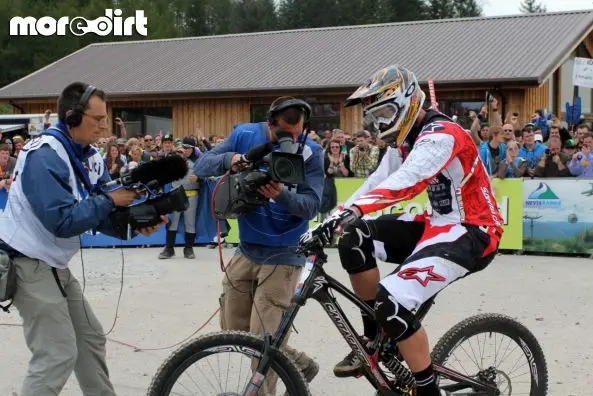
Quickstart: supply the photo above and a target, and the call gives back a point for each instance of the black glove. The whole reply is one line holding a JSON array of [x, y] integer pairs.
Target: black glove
[[324, 232]]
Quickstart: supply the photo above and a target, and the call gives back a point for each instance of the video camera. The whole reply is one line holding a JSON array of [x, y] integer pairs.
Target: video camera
[[149, 179], [237, 193]]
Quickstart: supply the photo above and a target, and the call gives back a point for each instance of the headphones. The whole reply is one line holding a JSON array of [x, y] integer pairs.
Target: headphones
[[274, 110], [74, 116]]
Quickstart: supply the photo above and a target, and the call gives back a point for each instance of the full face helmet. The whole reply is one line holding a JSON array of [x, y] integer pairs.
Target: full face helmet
[[391, 101]]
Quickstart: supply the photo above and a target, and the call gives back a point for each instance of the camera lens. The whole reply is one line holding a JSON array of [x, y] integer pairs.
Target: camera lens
[[284, 169]]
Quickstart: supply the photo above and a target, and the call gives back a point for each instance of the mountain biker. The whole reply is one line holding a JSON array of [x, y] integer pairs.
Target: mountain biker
[[459, 237]]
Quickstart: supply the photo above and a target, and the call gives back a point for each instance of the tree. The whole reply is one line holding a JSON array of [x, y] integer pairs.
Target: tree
[[467, 8], [532, 7], [402, 10], [441, 9], [255, 16]]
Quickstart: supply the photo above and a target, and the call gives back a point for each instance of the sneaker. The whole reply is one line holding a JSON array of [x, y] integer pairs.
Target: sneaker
[[311, 371], [350, 366], [188, 253], [168, 252]]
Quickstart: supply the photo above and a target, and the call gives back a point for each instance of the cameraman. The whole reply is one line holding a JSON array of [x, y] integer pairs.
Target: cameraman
[[51, 203], [261, 278]]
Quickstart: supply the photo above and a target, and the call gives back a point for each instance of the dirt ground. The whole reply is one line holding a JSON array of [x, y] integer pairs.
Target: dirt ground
[[164, 302]]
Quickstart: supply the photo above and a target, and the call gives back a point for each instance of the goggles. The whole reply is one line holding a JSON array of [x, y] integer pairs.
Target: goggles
[[383, 116]]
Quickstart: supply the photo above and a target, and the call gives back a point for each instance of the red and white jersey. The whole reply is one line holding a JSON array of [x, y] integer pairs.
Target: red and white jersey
[[445, 162]]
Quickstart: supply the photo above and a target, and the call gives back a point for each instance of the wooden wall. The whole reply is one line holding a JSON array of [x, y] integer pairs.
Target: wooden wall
[[216, 116], [536, 98], [209, 117]]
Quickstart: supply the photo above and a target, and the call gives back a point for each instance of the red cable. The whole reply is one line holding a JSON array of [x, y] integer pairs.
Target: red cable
[[136, 348]]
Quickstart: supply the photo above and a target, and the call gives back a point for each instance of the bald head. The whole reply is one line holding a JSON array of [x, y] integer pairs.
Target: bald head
[[508, 132]]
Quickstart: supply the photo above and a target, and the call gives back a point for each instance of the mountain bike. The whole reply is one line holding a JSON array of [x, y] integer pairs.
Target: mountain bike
[[383, 366]]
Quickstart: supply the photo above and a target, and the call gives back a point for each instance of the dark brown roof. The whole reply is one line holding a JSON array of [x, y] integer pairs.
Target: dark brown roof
[[499, 49]]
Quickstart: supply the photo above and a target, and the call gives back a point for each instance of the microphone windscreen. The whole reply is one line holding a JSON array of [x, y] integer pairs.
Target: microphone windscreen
[[164, 170], [258, 152]]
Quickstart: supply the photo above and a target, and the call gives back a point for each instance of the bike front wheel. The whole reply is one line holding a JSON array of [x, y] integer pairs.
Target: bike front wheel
[[214, 364], [495, 349]]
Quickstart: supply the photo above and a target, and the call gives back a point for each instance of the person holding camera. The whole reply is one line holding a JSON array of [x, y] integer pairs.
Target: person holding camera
[[554, 163], [53, 200], [191, 185], [581, 164], [261, 278], [364, 158]]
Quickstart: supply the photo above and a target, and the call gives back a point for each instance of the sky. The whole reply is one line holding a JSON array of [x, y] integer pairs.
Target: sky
[[506, 7]]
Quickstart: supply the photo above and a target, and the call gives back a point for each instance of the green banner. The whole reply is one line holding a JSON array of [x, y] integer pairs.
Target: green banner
[[509, 196]]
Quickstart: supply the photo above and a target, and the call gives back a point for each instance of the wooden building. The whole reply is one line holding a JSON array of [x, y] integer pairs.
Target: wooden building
[[205, 85]]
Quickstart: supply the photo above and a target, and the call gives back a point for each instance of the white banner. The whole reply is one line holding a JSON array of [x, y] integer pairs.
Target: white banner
[[582, 75]]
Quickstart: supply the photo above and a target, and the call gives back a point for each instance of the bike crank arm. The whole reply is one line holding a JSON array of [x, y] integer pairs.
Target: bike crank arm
[[465, 382]]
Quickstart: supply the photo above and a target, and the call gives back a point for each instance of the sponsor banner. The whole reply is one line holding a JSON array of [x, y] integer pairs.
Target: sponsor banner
[[558, 215], [509, 196]]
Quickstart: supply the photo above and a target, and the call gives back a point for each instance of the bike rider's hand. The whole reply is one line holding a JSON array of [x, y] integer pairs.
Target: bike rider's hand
[[324, 232]]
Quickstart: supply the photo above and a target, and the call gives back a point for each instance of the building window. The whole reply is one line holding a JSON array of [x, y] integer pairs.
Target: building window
[[141, 121], [259, 112], [461, 109], [324, 115]]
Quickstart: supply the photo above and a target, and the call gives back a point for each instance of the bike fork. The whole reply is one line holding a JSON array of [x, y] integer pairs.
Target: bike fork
[[259, 375]]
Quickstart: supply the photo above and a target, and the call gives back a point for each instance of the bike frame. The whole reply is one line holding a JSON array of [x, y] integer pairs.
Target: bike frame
[[318, 286]]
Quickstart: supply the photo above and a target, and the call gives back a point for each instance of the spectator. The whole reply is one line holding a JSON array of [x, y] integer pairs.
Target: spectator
[[7, 162], [158, 140], [554, 162], [531, 150], [18, 145], [341, 137], [581, 164], [337, 164], [191, 185], [364, 158], [123, 149], [113, 161], [480, 128], [8, 142], [570, 148], [519, 137], [167, 146], [512, 165], [508, 133], [580, 134], [493, 152]]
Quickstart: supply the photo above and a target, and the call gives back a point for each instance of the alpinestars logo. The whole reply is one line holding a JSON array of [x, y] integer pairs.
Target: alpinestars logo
[[111, 23], [422, 275]]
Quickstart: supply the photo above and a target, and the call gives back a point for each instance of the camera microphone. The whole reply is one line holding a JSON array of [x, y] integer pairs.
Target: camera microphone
[[163, 171], [257, 153]]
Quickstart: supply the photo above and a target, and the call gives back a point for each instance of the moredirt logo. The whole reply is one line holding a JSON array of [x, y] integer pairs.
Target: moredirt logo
[[111, 23]]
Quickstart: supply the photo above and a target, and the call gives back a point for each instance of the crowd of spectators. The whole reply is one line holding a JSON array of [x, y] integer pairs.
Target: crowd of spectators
[[545, 147]]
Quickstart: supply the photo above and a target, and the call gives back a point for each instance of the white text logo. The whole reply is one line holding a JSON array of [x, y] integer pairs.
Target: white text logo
[[112, 22]]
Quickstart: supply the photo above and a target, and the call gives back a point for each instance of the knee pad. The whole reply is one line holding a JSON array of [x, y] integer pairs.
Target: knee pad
[[397, 321], [356, 248]]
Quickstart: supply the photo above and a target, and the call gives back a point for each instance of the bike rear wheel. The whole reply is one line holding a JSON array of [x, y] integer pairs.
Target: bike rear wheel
[[527, 361], [178, 366]]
